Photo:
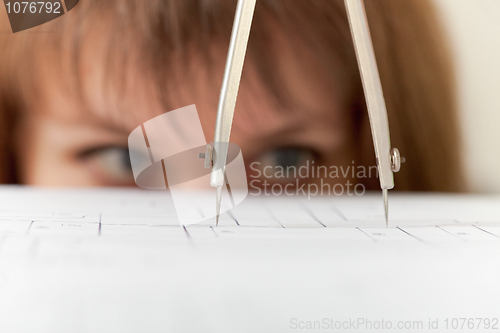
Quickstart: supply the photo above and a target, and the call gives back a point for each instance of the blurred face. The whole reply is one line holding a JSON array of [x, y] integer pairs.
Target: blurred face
[[62, 142]]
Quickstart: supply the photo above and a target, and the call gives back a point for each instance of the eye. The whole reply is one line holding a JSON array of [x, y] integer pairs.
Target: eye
[[110, 165], [274, 164], [288, 157]]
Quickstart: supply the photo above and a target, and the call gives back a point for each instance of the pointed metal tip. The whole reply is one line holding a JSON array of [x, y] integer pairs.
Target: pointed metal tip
[[386, 207], [217, 206]]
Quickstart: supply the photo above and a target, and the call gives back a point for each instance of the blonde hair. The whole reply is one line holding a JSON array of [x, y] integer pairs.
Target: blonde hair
[[156, 35]]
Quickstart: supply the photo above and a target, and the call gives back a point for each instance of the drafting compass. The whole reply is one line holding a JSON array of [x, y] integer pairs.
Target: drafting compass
[[388, 161]]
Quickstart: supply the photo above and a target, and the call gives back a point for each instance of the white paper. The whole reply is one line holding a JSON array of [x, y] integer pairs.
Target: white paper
[[116, 260]]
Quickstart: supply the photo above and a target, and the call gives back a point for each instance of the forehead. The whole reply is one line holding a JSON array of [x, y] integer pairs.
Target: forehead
[[122, 87], [126, 97]]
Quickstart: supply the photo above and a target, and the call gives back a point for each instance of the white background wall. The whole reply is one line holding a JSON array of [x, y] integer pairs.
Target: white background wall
[[474, 29]]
